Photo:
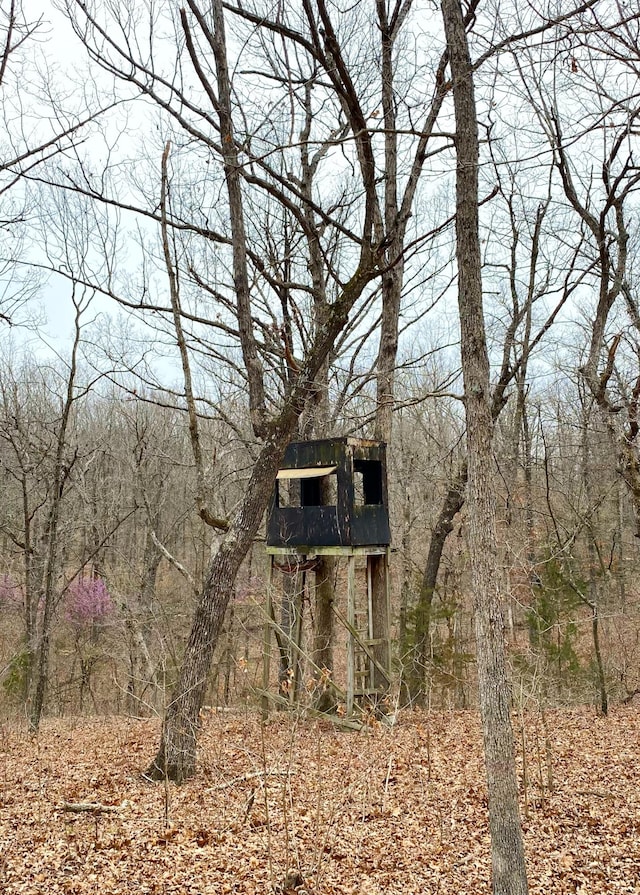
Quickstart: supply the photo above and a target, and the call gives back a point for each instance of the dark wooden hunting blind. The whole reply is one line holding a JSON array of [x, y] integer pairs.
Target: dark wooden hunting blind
[[331, 493], [330, 499]]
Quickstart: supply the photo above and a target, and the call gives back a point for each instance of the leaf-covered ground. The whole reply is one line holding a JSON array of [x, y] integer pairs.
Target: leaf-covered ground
[[299, 805]]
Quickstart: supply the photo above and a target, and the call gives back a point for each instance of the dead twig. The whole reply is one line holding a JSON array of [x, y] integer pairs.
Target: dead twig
[[244, 777], [93, 807]]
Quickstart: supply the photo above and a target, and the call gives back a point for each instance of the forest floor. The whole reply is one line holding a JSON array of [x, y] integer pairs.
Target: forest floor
[[384, 810]]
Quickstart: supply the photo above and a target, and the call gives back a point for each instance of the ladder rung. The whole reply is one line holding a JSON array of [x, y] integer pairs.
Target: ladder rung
[[376, 641]]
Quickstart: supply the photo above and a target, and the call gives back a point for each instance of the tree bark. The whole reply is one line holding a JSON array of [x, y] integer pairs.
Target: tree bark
[[325, 592], [509, 871], [595, 566]]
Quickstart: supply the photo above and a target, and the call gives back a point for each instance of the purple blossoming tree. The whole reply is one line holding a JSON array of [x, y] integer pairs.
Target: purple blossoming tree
[[88, 602]]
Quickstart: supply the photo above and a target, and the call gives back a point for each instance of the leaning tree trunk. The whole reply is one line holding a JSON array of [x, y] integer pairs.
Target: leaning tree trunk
[[176, 757], [509, 872], [451, 506]]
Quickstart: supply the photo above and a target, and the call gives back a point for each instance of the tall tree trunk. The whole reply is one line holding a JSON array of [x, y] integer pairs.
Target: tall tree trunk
[[61, 471], [138, 621], [592, 599], [32, 582], [509, 871], [325, 592]]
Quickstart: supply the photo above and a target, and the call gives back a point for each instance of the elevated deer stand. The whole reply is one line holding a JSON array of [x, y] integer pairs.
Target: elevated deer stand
[[331, 499]]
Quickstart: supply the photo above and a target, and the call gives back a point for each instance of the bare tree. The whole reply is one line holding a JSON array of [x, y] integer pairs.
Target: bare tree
[[38, 128], [599, 57], [338, 278], [535, 294], [41, 458], [509, 871]]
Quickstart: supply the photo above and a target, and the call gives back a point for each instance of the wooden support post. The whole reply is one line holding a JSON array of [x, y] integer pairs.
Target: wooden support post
[[371, 676], [380, 616], [266, 642], [351, 619]]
